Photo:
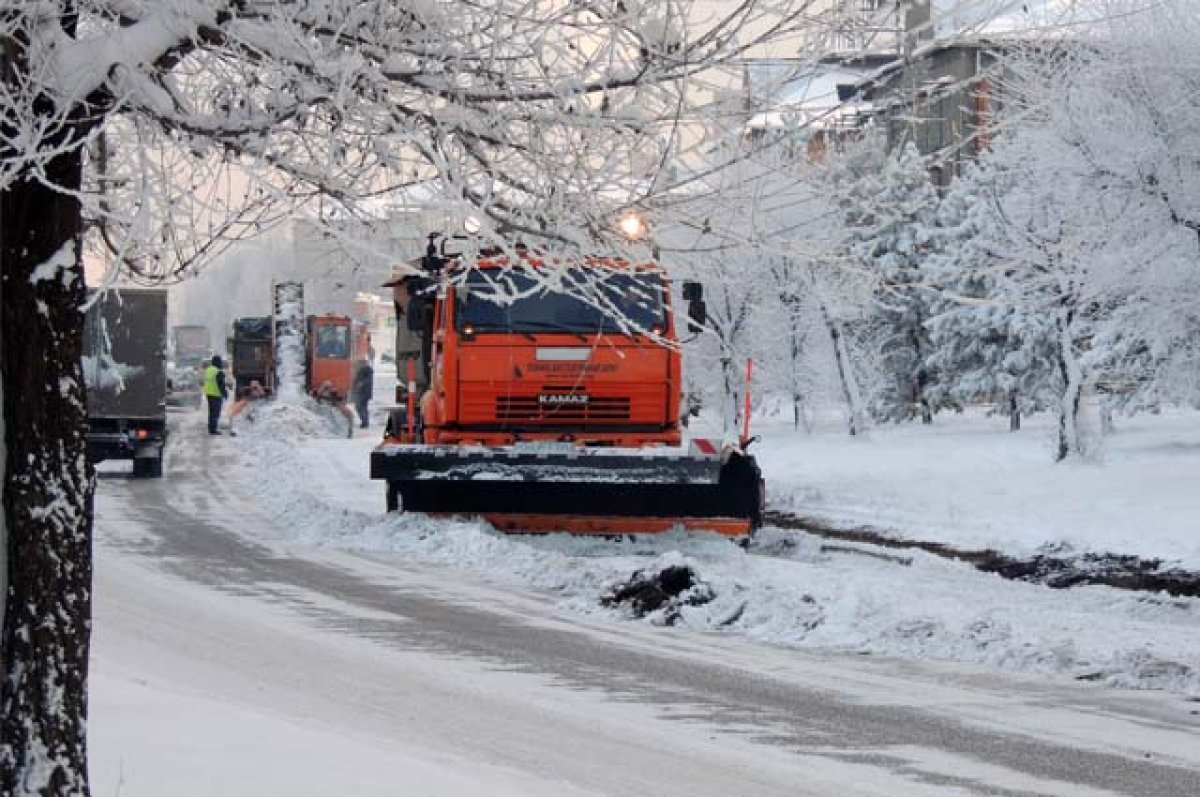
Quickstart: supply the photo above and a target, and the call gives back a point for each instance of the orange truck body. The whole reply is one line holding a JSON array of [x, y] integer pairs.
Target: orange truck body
[[560, 429], [497, 388], [335, 346]]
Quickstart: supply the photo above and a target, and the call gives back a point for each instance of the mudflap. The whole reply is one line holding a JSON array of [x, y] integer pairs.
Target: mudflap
[[148, 459]]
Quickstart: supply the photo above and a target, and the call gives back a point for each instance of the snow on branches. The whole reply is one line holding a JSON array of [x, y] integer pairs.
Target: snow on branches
[[208, 122]]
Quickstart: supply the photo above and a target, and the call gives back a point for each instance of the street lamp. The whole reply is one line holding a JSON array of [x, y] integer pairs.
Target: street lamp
[[632, 225]]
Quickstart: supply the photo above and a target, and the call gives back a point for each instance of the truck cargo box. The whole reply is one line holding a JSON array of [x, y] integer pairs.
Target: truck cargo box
[[125, 373]]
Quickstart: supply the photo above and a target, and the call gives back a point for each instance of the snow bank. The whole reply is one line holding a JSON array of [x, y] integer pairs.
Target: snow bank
[[295, 418], [806, 595]]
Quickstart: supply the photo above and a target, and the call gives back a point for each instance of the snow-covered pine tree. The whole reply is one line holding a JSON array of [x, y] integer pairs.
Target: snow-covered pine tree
[[890, 219], [983, 348]]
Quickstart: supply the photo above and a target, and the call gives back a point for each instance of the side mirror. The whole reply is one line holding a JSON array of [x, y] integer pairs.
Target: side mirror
[[693, 291], [697, 315]]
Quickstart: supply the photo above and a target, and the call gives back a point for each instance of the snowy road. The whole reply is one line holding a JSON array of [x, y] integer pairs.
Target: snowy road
[[231, 661]]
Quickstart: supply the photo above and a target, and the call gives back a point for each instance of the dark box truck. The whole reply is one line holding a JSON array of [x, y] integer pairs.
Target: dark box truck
[[125, 370], [253, 354]]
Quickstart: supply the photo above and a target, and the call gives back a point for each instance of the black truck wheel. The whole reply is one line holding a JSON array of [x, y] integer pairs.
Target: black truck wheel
[[393, 497]]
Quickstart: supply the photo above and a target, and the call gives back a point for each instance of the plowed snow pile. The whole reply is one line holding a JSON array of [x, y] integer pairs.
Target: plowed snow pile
[[297, 418], [806, 595]]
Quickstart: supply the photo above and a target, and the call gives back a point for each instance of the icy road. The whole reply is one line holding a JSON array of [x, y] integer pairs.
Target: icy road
[[230, 659]]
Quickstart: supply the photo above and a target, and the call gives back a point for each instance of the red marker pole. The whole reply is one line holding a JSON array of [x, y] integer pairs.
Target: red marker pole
[[746, 411], [411, 401]]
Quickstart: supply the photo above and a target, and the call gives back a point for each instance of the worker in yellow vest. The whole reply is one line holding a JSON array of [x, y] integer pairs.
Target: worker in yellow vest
[[215, 391]]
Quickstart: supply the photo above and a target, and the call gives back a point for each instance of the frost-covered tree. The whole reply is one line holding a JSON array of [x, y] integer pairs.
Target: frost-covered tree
[[705, 233], [168, 129], [782, 231], [758, 226], [982, 347], [842, 277], [1063, 261], [1095, 197], [889, 220], [787, 274], [1047, 243]]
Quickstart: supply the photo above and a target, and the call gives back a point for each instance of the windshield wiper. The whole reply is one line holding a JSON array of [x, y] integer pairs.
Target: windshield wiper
[[499, 330], [550, 326]]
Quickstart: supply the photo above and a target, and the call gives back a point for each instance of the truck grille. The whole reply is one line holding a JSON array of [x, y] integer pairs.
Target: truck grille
[[538, 408]]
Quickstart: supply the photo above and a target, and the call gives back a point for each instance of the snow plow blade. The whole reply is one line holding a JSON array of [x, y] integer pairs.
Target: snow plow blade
[[581, 491]]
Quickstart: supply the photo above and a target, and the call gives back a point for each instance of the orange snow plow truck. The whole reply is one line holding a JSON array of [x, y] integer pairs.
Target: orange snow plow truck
[[553, 403]]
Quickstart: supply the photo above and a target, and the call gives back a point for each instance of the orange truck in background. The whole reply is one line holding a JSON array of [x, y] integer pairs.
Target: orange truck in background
[[553, 404], [335, 345]]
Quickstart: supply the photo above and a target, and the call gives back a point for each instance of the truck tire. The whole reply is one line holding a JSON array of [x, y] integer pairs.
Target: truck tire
[[148, 467], [396, 423], [393, 497]]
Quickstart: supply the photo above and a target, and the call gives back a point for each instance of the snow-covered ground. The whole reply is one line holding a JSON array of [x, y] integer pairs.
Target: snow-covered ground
[[969, 482], [966, 481]]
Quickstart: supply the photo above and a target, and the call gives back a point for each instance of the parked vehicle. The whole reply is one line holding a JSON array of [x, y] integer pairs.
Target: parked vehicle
[[252, 347], [192, 345], [125, 373], [183, 385]]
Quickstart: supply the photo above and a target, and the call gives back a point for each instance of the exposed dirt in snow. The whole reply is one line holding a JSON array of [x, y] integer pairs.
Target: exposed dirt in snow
[[662, 592], [1056, 569]]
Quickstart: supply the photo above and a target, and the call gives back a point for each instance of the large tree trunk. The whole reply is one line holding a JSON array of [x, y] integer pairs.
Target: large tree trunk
[[47, 488]]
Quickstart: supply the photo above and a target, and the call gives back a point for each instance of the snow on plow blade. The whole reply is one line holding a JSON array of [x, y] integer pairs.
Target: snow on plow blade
[[587, 491]]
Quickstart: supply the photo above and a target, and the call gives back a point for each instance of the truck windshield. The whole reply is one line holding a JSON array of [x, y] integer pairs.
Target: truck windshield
[[582, 300], [333, 342]]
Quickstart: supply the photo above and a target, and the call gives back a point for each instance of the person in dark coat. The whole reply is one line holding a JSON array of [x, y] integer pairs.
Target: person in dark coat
[[363, 390], [215, 391]]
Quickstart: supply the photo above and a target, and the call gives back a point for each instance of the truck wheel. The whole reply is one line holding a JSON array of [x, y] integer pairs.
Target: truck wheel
[[393, 497], [148, 467], [396, 423]]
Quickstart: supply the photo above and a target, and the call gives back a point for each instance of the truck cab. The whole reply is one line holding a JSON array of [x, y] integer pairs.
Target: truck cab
[[335, 345], [592, 360]]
